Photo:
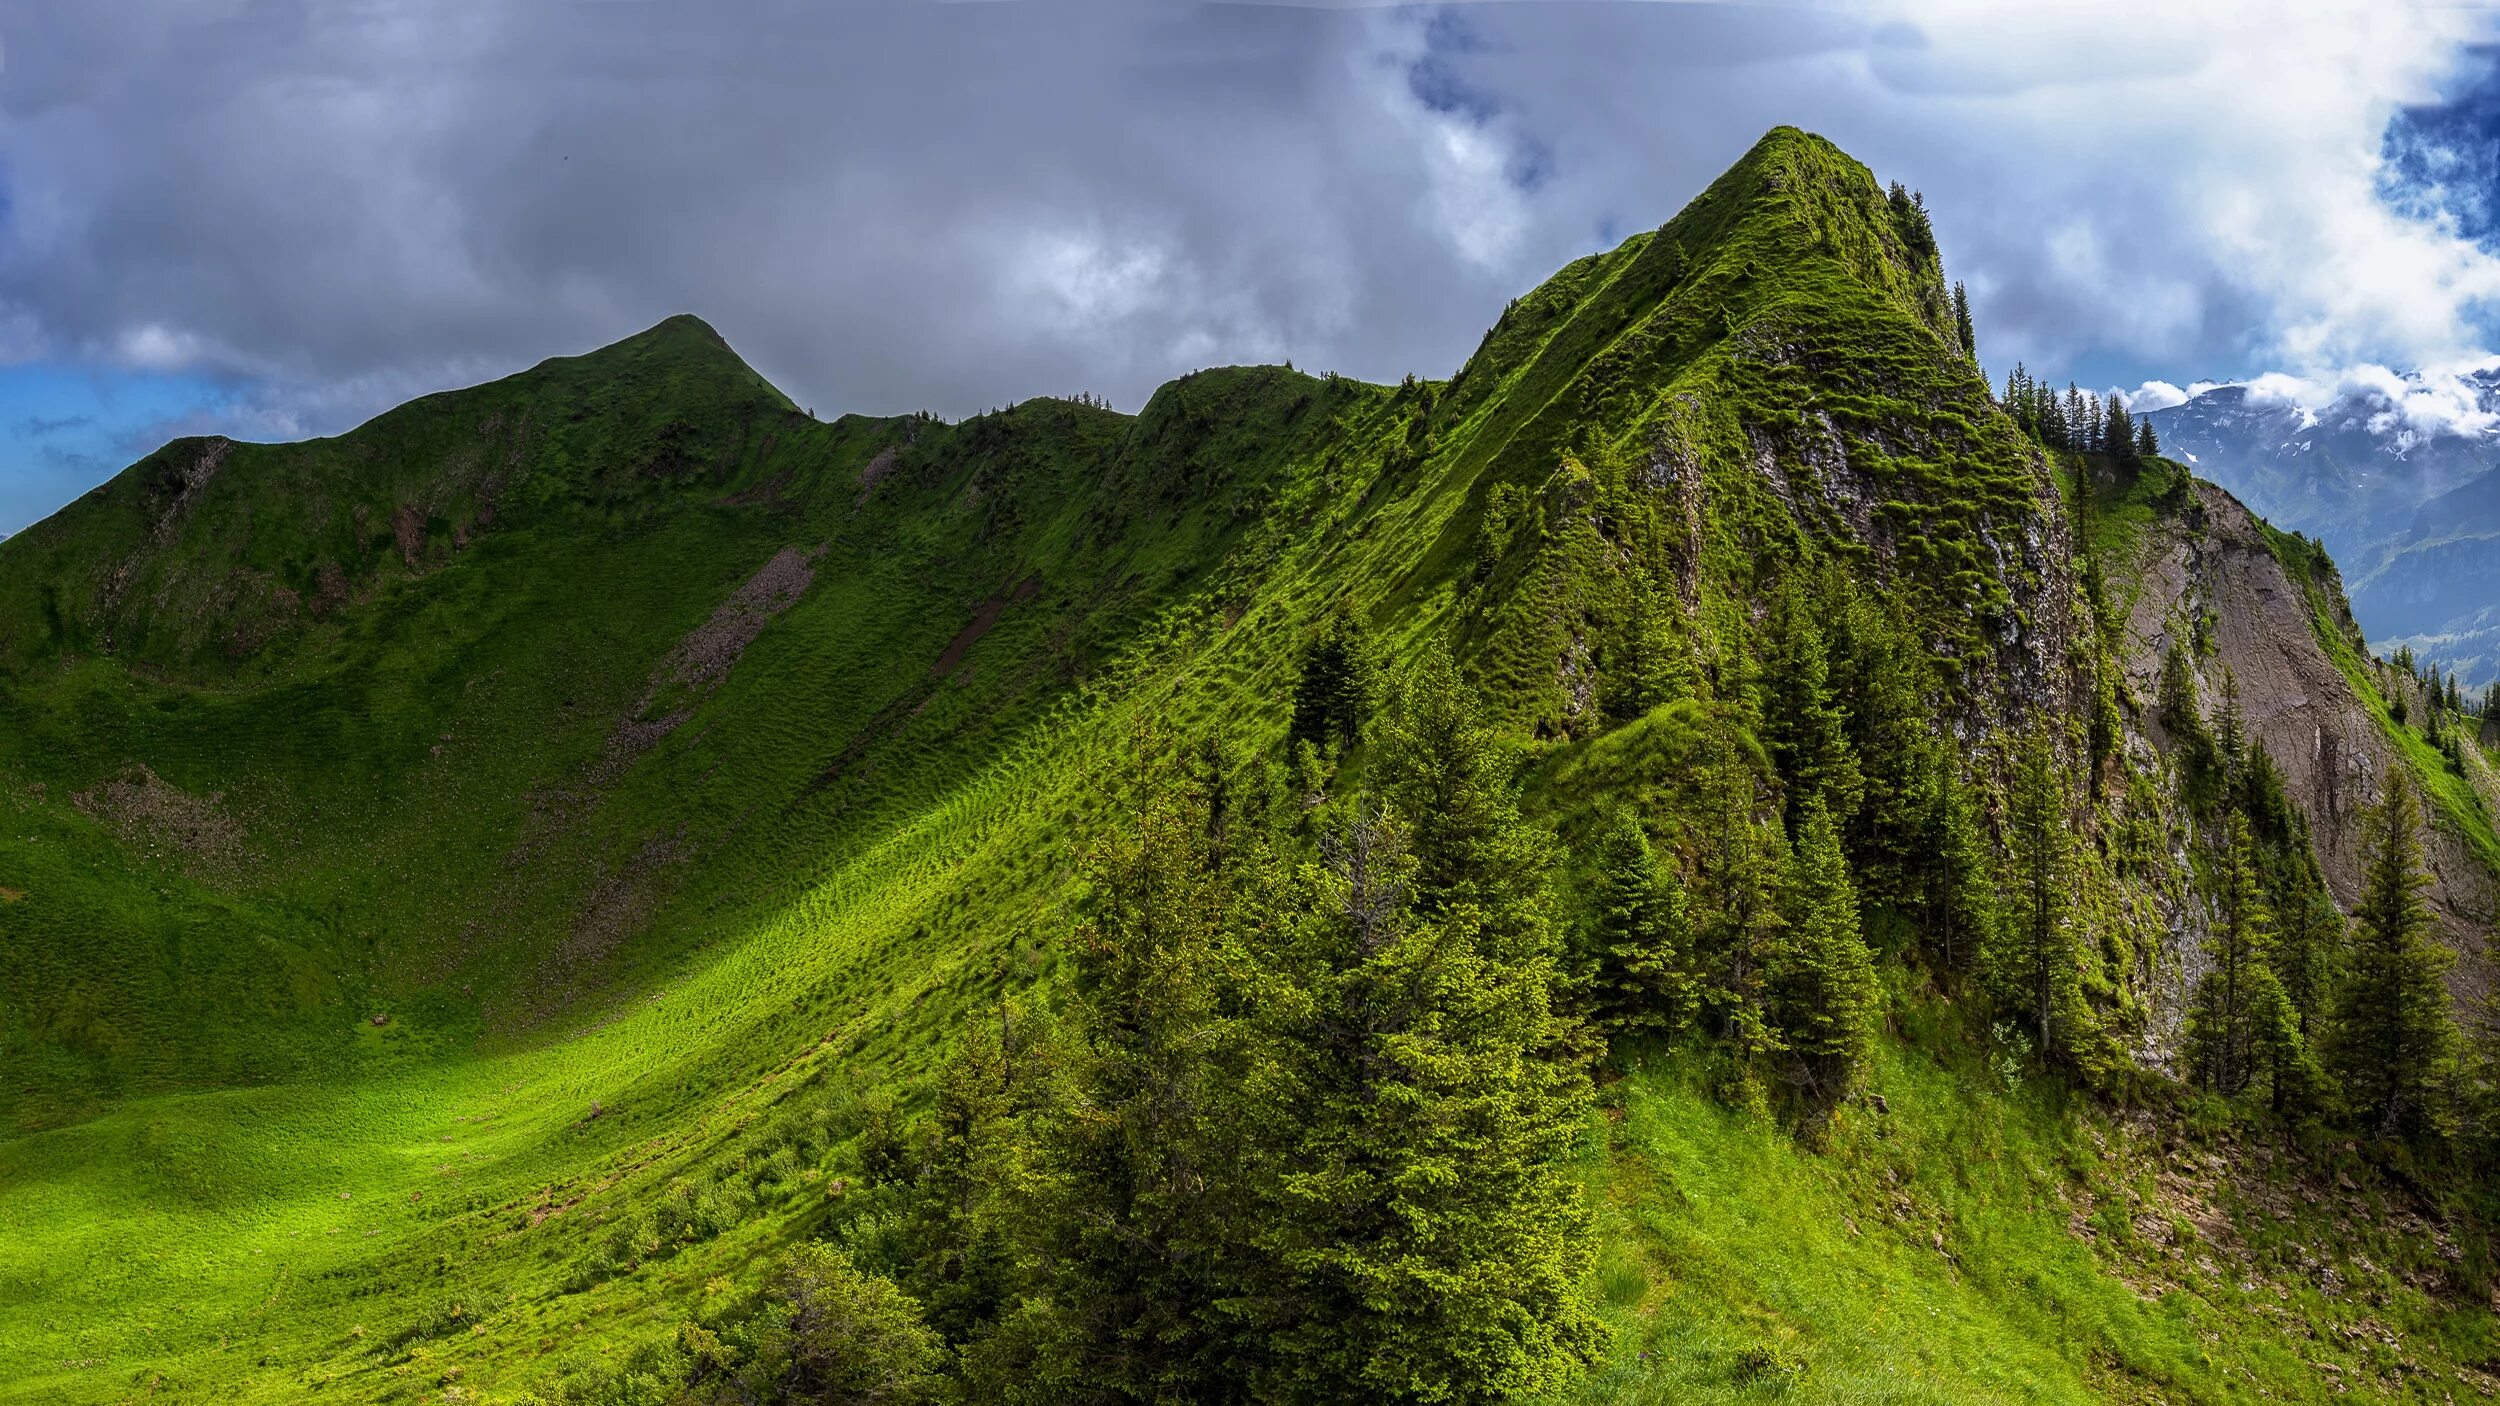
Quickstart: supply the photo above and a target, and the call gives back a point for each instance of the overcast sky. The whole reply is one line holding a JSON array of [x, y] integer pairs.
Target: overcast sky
[[273, 218]]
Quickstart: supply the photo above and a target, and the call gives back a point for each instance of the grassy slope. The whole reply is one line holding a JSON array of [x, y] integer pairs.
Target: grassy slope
[[231, 1186]]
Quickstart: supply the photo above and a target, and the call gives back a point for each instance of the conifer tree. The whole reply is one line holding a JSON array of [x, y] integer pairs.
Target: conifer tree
[[1961, 899], [1136, 1262], [1879, 681], [1801, 721], [2479, 1076], [2395, 1044], [1639, 937], [2147, 443], [1407, 1140], [2239, 1014], [2294, 1079], [1440, 764], [964, 1262], [1826, 993], [1655, 663], [2117, 430], [1737, 925], [2036, 967], [1337, 683], [2199, 760], [2230, 736], [2309, 959], [1962, 323]]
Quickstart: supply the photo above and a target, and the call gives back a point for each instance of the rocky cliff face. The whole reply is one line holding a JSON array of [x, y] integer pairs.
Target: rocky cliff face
[[2210, 572]]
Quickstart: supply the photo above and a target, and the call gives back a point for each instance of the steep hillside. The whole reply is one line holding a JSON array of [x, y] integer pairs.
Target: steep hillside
[[2267, 610], [479, 891]]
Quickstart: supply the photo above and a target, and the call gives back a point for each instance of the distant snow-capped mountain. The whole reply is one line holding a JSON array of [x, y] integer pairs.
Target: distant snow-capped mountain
[[2399, 477]]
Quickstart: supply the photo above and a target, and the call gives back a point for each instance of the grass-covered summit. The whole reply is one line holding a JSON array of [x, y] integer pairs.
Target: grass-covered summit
[[596, 886]]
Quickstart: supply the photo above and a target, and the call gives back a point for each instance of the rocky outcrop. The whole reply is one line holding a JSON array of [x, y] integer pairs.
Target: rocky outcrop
[[2209, 567]]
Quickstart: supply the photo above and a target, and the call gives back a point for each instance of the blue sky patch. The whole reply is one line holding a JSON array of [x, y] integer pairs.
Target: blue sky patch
[[64, 429]]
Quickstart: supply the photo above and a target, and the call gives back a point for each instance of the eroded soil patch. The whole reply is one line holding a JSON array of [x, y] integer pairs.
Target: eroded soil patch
[[984, 616], [169, 824]]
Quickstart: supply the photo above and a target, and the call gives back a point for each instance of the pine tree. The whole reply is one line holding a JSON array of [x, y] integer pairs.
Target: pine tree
[[1880, 682], [1654, 663], [1962, 323], [2309, 961], [2238, 995], [1801, 721], [2395, 1044], [964, 1263], [1408, 1145], [2479, 1081], [2199, 758], [1440, 764], [2147, 443], [2037, 967], [1911, 222], [1639, 937], [1136, 1264], [1826, 993], [2230, 736], [1961, 899], [2117, 430], [1737, 926], [1337, 682]]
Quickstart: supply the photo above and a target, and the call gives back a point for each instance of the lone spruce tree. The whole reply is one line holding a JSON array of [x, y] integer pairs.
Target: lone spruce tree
[[2395, 1044], [1825, 986]]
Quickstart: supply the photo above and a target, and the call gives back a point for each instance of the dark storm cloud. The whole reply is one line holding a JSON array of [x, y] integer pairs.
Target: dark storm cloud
[[334, 206], [884, 206]]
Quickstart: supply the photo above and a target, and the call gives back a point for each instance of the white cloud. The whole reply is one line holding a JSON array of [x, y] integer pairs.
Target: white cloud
[[2153, 395], [2439, 399], [153, 346]]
